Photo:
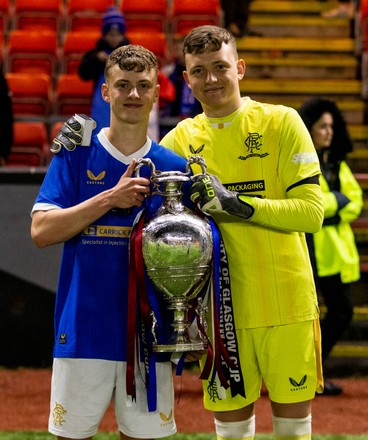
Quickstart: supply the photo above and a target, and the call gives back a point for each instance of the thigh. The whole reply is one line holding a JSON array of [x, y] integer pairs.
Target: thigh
[[290, 360], [217, 399], [81, 391], [133, 417]]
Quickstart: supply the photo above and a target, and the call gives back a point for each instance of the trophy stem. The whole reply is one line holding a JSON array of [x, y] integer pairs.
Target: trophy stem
[[180, 324]]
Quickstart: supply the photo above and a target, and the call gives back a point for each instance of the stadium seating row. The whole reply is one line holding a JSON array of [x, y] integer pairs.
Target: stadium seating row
[[34, 97], [41, 45], [63, 15], [38, 51]]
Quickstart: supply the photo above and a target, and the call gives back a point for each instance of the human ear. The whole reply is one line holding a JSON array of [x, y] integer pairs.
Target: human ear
[[105, 92], [186, 78]]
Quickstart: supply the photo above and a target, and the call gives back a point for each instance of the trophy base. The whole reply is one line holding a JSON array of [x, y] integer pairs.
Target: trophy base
[[180, 347]]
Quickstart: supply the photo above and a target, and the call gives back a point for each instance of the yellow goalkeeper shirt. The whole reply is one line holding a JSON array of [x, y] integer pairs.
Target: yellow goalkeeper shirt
[[263, 151]]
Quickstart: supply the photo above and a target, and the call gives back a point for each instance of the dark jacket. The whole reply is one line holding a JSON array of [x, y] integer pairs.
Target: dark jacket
[[6, 118], [91, 68]]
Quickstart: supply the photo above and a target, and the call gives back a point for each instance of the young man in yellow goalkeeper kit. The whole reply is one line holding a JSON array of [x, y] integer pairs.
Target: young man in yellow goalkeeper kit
[[263, 192]]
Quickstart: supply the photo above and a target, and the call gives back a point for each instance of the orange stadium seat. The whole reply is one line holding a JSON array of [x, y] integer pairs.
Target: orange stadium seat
[[74, 46], [32, 51], [1, 48], [39, 14], [73, 95], [152, 40], [145, 14], [4, 15], [30, 95], [86, 14], [187, 14], [30, 146]]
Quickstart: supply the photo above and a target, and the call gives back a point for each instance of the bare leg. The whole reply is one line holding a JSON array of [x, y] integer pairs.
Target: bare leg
[[235, 416], [292, 410]]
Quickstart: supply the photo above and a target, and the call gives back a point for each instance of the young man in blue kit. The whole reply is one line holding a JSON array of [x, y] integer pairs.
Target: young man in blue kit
[[89, 200], [263, 191]]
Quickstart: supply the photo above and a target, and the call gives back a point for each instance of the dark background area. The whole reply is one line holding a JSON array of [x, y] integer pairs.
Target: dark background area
[[28, 277]]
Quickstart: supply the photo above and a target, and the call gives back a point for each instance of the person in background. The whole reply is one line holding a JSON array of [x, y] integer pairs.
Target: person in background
[[93, 62], [6, 120], [345, 9], [333, 250], [89, 200], [236, 17], [184, 105]]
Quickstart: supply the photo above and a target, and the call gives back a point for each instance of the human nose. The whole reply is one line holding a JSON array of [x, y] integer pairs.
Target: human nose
[[133, 92], [211, 77]]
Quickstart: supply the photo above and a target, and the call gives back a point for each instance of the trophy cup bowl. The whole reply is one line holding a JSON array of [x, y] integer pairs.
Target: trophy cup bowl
[[177, 251]]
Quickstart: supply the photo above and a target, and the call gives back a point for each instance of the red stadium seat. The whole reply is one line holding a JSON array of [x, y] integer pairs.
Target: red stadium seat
[[152, 40], [30, 146], [86, 14], [73, 95], [75, 45], [1, 48], [187, 14], [39, 14], [4, 15], [32, 51], [30, 95], [145, 14]]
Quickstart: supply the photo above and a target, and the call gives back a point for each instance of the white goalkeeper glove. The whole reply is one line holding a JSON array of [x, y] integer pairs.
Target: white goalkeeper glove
[[212, 197], [76, 131]]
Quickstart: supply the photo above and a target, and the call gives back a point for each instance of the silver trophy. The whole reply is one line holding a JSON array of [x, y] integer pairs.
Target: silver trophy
[[177, 251]]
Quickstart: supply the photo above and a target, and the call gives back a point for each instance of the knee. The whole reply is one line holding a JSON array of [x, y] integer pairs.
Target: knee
[[244, 429], [287, 427]]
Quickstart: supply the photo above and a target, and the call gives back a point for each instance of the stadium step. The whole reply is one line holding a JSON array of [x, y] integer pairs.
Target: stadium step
[[296, 44], [280, 24], [284, 87], [275, 64], [289, 6]]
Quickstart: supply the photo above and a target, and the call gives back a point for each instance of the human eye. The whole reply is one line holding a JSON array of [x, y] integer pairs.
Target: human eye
[[221, 67], [143, 86], [197, 71], [124, 85]]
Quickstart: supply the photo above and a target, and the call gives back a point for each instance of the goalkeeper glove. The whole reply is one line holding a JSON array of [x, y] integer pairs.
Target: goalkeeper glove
[[212, 197], [77, 130]]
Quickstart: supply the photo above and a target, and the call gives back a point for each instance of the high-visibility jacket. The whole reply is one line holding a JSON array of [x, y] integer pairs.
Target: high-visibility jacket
[[334, 245]]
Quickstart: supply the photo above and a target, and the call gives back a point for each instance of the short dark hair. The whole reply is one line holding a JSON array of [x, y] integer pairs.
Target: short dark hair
[[207, 38], [132, 57]]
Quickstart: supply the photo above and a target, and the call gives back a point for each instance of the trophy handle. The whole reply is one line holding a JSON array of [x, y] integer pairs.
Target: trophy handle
[[199, 160], [144, 161]]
